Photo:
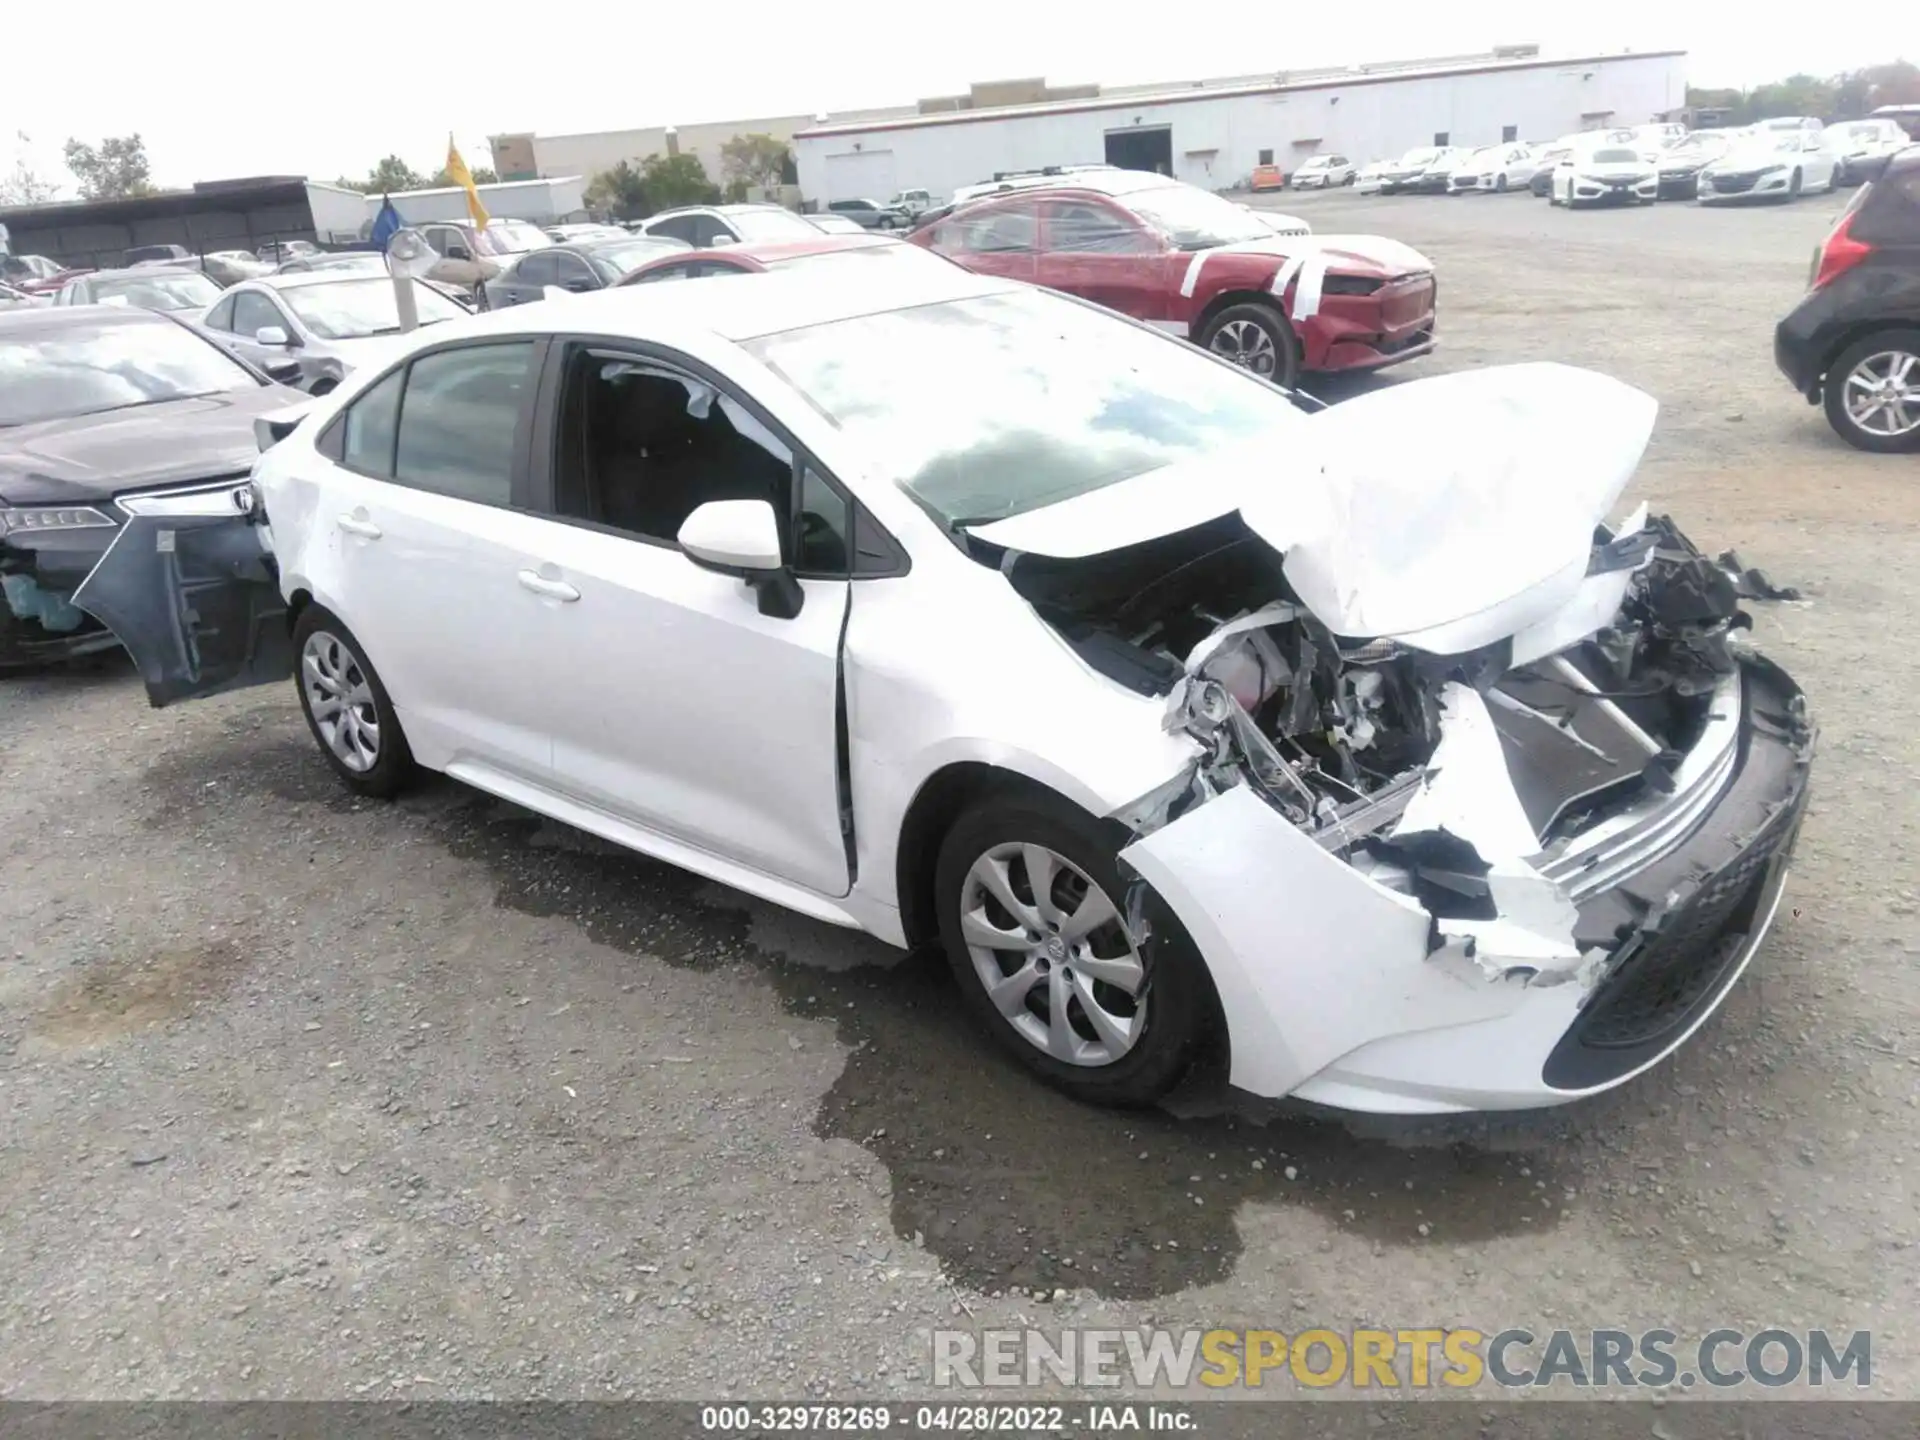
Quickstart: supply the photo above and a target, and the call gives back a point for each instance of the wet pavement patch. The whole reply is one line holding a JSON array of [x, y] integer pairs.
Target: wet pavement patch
[[1010, 1184], [114, 996]]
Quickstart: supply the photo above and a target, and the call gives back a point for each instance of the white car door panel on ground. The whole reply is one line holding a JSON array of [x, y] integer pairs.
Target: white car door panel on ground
[[431, 559], [672, 671]]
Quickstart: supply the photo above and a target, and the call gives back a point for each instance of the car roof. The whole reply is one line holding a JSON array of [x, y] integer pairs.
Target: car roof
[[771, 252], [746, 307], [53, 318], [297, 279]]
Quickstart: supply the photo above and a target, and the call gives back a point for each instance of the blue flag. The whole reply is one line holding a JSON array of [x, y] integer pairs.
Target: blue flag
[[385, 224]]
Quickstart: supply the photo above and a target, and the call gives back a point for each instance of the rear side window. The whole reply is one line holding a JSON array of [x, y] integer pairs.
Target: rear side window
[[457, 421], [1887, 211], [1002, 230], [369, 426]]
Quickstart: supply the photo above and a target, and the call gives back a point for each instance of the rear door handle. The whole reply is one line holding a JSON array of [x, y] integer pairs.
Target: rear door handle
[[548, 589], [353, 525]]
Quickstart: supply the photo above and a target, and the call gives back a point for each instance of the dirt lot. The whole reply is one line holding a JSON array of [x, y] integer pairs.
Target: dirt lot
[[310, 1097]]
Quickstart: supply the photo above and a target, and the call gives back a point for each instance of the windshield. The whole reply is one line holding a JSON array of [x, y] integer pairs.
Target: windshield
[[1001, 404], [1195, 219], [1869, 131], [352, 309], [1614, 157], [770, 225], [183, 290], [1698, 142], [1423, 156], [82, 369], [512, 237]]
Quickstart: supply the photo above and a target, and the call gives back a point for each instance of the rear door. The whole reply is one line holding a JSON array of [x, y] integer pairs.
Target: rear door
[[1096, 250]]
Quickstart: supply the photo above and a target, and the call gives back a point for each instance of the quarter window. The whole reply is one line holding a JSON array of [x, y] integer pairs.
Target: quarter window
[[1081, 228], [1001, 231], [458, 418], [221, 316]]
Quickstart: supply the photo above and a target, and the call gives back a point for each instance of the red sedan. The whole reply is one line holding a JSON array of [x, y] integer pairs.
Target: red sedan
[[1186, 261], [861, 249]]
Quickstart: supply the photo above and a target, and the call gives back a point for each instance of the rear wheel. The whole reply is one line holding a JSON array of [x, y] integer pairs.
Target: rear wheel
[[347, 708], [1256, 337], [1032, 914], [1872, 394]]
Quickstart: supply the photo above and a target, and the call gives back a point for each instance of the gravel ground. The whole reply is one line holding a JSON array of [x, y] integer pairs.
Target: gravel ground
[[309, 1097]]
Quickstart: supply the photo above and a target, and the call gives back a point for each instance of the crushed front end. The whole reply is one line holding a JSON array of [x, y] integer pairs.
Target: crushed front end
[[46, 551], [1496, 880]]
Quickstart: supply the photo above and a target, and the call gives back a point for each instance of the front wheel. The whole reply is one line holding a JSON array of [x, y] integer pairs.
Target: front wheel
[[1257, 338], [348, 709], [1793, 188], [1032, 913], [1500, 185], [1872, 393]]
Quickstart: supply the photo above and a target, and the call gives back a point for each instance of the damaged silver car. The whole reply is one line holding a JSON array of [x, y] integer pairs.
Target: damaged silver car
[[967, 614]]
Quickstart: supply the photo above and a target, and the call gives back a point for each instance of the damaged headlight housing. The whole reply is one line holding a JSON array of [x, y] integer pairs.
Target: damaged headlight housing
[[35, 518]]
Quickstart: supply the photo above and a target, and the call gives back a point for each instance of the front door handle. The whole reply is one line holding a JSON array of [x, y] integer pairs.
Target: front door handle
[[358, 525], [546, 588]]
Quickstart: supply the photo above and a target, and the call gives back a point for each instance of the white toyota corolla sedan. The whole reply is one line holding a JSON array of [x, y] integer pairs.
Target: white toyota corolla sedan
[[960, 612]]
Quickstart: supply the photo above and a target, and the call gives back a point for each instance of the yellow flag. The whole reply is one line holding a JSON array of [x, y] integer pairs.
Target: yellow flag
[[457, 171]]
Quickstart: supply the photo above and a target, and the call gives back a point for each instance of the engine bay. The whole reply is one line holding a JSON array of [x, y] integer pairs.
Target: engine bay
[[1336, 732]]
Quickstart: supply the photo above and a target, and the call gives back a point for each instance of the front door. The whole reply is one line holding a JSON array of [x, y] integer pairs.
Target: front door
[[190, 588], [688, 711]]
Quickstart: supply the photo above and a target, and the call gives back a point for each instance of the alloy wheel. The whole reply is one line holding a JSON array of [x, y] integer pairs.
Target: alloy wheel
[[1882, 393], [340, 700], [1246, 344], [1053, 954]]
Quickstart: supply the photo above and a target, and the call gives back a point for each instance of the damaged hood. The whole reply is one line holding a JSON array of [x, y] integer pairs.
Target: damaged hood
[[92, 457], [1447, 513]]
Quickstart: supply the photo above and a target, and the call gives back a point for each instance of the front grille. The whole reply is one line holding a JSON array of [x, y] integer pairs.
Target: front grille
[[1658, 985], [1732, 184]]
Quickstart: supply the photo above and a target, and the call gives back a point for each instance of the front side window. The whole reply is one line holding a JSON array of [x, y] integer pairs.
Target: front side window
[[1082, 227], [644, 445], [371, 422], [1001, 404], [109, 364], [253, 312], [678, 227], [458, 416], [537, 270]]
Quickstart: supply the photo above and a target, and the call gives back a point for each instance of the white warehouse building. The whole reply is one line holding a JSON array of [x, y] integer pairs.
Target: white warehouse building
[[1214, 133]]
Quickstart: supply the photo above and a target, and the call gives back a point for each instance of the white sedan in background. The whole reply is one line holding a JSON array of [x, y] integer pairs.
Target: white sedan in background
[[1771, 163], [1323, 172], [1608, 175], [1495, 168], [1179, 718]]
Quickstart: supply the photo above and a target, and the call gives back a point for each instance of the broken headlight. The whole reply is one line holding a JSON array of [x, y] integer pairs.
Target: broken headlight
[[51, 517]]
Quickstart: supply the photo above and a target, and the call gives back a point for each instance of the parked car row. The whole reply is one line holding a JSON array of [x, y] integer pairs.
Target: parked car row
[[1774, 159]]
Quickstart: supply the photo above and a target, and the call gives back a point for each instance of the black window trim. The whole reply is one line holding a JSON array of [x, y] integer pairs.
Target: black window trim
[[542, 444], [331, 441]]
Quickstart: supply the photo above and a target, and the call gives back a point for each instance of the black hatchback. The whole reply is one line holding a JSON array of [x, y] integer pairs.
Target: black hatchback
[[1853, 342]]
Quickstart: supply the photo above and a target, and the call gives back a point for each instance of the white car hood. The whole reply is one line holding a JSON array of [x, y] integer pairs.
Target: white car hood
[[1753, 157], [1447, 513], [1615, 169]]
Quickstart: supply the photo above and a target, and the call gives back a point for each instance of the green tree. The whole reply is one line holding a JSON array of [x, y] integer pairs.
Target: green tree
[[621, 191], [391, 174], [677, 180], [115, 168], [754, 159]]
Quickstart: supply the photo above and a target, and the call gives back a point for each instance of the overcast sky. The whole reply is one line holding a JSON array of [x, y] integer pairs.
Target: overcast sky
[[328, 90]]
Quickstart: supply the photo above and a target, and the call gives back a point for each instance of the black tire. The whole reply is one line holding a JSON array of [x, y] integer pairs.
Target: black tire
[[1500, 184], [1272, 323], [1905, 339], [393, 765], [322, 387], [1179, 1001], [1793, 188]]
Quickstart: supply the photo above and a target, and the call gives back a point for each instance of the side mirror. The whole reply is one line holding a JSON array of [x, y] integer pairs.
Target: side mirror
[[577, 286], [742, 538], [719, 240], [272, 335], [459, 252]]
